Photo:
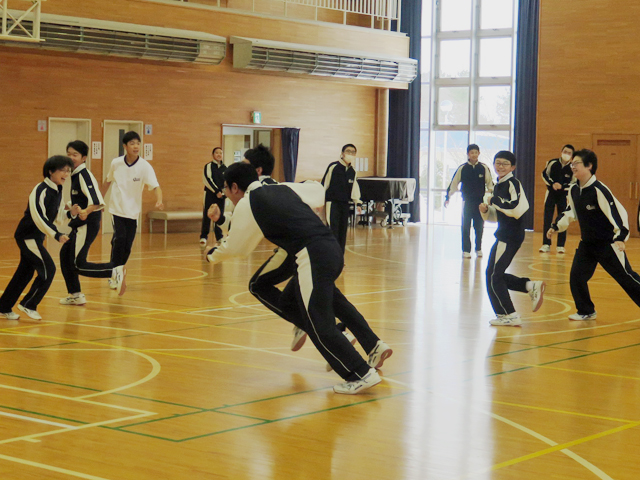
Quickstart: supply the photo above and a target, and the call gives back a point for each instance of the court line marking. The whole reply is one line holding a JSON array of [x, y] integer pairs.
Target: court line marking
[[573, 330], [36, 420], [50, 468]]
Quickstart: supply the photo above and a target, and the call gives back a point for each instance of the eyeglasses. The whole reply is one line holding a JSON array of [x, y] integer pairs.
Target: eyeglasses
[[502, 164], [350, 152], [573, 164]]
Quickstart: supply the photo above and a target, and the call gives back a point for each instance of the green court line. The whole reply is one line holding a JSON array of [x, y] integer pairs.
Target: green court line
[[158, 401], [42, 414], [50, 382]]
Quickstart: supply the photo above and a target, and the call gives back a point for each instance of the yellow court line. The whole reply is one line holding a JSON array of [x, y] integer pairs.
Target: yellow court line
[[50, 468], [563, 412], [573, 330]]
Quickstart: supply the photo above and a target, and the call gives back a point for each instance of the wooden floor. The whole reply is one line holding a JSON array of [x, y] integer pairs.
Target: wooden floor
[[186, 377]]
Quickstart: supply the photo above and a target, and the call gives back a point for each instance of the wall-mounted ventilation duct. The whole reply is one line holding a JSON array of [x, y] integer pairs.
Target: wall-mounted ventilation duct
[[85, 35], [329, 62]]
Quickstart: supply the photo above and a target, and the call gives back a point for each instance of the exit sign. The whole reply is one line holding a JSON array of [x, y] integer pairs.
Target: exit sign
[[256, 117]]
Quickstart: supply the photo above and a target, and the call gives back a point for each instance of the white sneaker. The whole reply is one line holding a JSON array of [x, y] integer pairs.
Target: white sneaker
[[466, 255], [352, 341], [536, 293], [560, 250], [30, 313], [544, 249], [75, 299], [582, 318], [112, 283], [10, 316], [203, 242], [479, 253], [379, 354], [353, 388], [511, 320], [299, 337], [121, 285]]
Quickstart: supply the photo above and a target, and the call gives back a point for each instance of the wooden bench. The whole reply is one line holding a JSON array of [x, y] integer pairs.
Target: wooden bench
[[168, 216]]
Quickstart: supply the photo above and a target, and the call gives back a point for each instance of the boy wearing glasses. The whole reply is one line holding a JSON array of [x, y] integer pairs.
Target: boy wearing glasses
[[604, 227], [341, 186], [507, 206], [37, 223], [557, 175]]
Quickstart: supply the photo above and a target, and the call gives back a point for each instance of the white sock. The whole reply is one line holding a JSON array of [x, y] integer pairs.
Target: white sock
[[529, 286]]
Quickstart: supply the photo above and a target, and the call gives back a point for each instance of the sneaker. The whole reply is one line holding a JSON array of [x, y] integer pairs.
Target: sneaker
[[112, 283], [544, 249], [479, 253], [299, 337], [203, 242], [352, 341], [511, 320], [75, 299], [466, 255], [353, 388], [10, 316], [536, 293], [560, 250], [30, 313], [582, 318], [121, 285], [379, 354]]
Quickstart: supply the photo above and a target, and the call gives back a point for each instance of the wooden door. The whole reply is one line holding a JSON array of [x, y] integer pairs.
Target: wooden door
[[617, 169]]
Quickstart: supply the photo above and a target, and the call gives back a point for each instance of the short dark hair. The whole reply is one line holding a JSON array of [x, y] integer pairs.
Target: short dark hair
[[79, 146], [588, 158], [505, 155], [55, 163], [242, 174], [130, 136], [473, 146], [349, 145], [568, 145], [261, 157], [214, 150]]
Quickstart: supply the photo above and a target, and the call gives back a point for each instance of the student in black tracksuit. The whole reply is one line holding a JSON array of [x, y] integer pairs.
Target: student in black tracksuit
[[604, 227], [341, 187], [41, 212], [557, 176], [283, 214], [213, 194], [475, 178], [85, 212], [507, 205]]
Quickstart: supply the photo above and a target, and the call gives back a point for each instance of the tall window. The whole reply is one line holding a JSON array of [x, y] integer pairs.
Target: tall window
[[468, 71]]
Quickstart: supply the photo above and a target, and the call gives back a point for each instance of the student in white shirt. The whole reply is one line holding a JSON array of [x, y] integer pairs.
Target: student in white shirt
[[128, 176]]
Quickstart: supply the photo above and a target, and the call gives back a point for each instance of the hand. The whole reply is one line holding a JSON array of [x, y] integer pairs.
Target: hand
[[557, 186], [219, 194], [621, 246], [446, 203], [550, 233], [214, 212], [160, 205], [75, 210], [483, 207], [63, 239], [83, 215]]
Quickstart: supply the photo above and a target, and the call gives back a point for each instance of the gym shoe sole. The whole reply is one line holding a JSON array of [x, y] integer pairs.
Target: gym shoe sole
[[537, 295], [379, 354], [299, 337], [576, 317], [352, 341], [10, 315], [371, 379], [30, 313], [121, 284], [203, 242], [479, 253]]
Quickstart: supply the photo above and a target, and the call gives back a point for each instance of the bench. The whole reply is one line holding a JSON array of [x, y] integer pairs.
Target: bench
[[168, 216]]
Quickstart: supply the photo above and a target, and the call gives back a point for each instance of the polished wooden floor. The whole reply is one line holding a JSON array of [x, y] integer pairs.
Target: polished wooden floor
[[187, 377]]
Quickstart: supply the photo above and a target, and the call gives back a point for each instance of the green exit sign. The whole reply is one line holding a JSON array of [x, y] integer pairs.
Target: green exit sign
[[256, 117]]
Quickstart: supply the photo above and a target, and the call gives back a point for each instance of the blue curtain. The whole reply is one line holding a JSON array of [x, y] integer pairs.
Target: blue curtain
[[403, 159], [290, 139], [524, 140]]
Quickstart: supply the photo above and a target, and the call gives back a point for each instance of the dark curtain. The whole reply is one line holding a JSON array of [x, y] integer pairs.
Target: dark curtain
[[403, 160], [524, 140], [290, 139]]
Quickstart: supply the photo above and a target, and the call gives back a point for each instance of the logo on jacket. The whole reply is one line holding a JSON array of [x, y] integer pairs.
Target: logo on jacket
[[136, 179], [590, 207], [74, 192]]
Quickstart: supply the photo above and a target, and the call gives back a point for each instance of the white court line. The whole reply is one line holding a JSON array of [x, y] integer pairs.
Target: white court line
[[36, 420], [50, 468]]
